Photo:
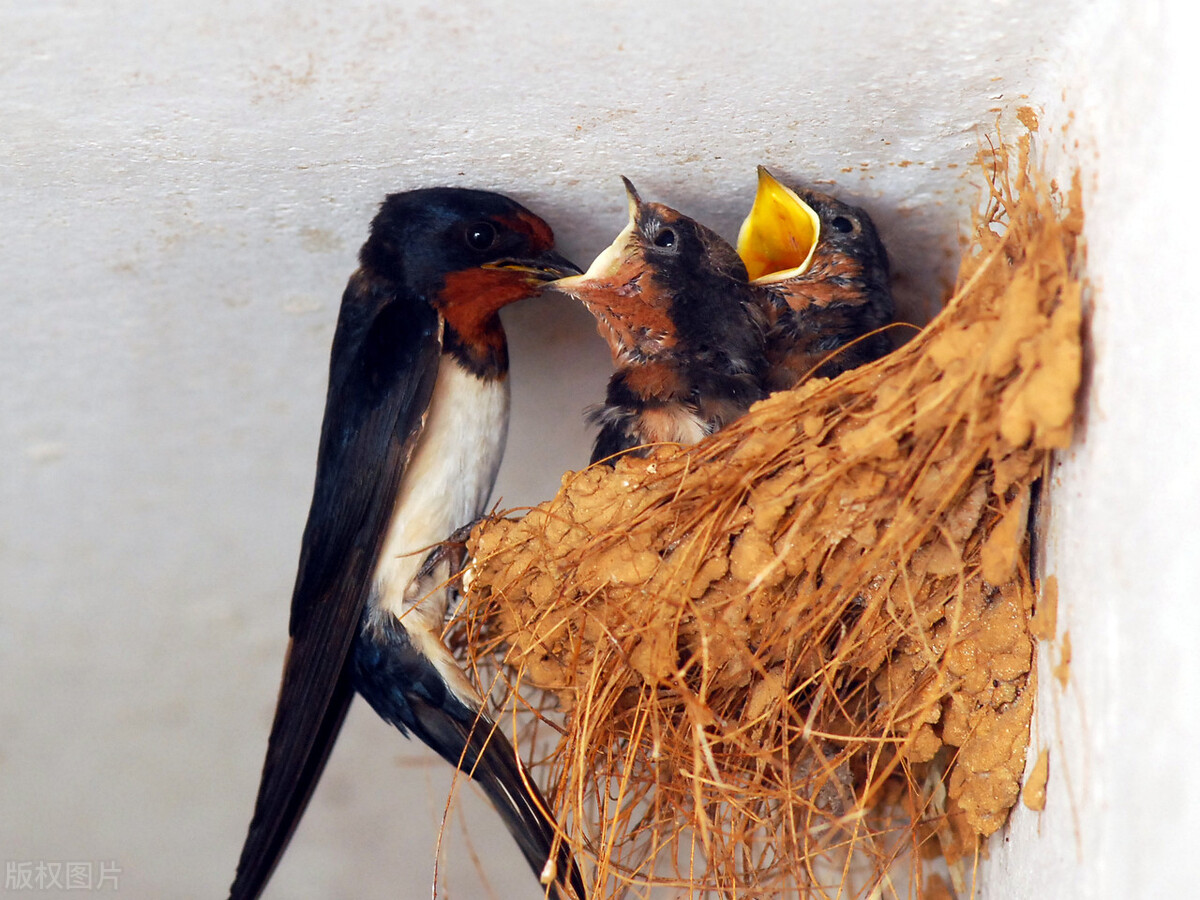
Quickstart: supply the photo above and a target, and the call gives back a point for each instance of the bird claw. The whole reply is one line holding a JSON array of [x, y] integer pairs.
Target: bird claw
[[463, 534], [452, 551]]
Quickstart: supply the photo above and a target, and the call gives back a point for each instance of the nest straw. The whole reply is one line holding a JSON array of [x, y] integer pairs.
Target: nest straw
[[795, 659]]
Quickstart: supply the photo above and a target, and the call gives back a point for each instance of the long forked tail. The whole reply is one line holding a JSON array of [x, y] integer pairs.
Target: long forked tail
[[302, 737], [417, 686], [480, 749]]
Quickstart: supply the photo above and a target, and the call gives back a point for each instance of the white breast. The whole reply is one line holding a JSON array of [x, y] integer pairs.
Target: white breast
[[446, 486]]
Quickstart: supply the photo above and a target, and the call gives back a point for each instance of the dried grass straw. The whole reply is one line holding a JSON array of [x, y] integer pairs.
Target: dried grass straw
[[796, 656]]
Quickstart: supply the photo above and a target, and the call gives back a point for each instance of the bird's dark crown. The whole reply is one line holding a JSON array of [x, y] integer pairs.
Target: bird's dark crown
[[419, 236], [848, 229], [679, 246]]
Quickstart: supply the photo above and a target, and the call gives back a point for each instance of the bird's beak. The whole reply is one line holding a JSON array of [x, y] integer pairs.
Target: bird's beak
[[605, 266], [779, 237], [544, 267]]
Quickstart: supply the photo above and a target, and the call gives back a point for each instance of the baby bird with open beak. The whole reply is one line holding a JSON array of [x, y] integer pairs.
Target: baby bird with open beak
[[822, 277], [673, 300]]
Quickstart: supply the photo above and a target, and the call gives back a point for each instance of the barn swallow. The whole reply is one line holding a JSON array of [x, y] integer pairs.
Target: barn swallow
[[415, 422], [673, 301], [822, 277]]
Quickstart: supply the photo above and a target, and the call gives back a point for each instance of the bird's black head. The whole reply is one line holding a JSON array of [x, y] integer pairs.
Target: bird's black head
[[679, 250], [791, 234], [668, 286], [848, 230], [419, 237], [467, 254]]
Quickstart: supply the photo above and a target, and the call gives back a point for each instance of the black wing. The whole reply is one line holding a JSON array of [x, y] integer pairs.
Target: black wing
[[382, 370]]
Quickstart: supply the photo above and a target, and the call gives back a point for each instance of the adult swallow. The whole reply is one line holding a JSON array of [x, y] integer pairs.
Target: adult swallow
[[416, 417], [672, 299], [822, 276]]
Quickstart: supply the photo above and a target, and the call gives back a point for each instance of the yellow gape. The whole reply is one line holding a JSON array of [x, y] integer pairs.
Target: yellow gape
[[779, 236]]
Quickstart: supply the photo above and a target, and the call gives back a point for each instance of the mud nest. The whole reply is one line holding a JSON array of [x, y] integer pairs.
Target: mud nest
[[795, 659]]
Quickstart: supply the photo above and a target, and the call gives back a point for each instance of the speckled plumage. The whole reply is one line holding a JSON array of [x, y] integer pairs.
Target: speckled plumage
[[686, 334], [844, 295]]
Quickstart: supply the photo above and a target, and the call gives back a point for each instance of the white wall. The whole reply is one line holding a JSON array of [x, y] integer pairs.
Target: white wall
[[182, 190], [1124, 536]]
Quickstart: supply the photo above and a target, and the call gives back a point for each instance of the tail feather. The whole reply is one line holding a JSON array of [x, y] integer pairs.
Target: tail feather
[[480, 749], [290, 774], [418, 695]]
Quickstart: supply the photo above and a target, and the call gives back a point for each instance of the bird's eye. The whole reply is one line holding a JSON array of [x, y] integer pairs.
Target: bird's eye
[[842, 224], [481, 236], [665, 239]]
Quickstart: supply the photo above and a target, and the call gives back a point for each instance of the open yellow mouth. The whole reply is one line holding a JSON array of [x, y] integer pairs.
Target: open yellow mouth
[[779, 237]]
